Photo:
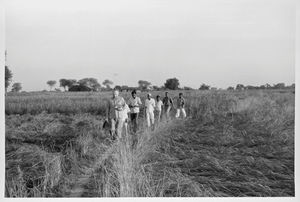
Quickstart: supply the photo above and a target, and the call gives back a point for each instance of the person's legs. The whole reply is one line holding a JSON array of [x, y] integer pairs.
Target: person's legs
[[177, 113], [134, 138], [112, 128], [152, 119], [148, 119], [126, 127], [168, 112], [120, 124], [131, 121], [158, 115], [136, 122], [183, 112], [164, 115]]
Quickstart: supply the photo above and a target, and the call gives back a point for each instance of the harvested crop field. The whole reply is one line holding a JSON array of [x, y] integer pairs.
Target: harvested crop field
[[231, 144]]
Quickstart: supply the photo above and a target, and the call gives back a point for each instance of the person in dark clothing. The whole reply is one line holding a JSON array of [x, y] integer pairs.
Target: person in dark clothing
[[168, 104]]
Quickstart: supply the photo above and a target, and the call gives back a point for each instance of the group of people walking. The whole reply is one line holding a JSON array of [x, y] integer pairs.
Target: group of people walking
[[121, 113]]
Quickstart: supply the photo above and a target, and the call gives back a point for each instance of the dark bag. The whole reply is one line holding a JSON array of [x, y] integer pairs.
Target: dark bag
[[106, 125]]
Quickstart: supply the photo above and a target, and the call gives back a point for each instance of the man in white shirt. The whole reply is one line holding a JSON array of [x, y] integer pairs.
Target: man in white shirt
[[180, 106], [134, 105], [150, 105], [125, 118], [158, 108]]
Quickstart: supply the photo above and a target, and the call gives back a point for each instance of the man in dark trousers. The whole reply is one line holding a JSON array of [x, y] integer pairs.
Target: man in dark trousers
[[168, 104], [134, 105]]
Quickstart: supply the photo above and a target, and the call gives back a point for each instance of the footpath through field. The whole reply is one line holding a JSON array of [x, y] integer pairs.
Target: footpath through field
[[122, 152]]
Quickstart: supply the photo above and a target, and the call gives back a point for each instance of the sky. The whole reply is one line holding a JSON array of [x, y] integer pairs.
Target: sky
[[217, 42]]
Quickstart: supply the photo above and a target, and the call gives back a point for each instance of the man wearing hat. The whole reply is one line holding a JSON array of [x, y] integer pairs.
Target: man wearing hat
[[150, 105]]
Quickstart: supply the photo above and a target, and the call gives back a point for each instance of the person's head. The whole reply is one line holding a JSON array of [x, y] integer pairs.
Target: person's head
[[180, 95], [166, 94], [158, 97], [115, 93], [149, 95], [133, 93]]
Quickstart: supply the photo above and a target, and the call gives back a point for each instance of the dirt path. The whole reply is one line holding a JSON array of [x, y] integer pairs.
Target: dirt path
[[80, 187], [85, 182]]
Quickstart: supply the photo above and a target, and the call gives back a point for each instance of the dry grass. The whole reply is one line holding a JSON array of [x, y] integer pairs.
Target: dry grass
[[232, 144]]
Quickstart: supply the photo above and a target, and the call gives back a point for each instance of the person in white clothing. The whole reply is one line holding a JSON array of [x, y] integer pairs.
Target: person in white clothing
[[125, 118], [180, 106], [150, 105], [158, 108]]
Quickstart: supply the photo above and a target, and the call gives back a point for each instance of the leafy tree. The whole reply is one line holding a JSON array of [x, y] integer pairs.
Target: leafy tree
[[249, 87], [76, 88], [125, 87], [51, 83], [71, 82], [131, 88], [118, 87], [204, 87], [292, 86], [64, 83], [187, 88], [156, 88], [8, 77], [172, 84], [240, 87], [91, 83], [230, 88], [16, 87], [144, 85], [267, 86], [279, 86], [262, 87], [108, 84]]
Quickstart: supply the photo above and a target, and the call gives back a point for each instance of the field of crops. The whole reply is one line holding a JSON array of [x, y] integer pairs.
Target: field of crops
[[231, 144]]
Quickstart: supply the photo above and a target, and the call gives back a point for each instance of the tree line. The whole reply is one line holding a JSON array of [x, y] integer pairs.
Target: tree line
[[92, 84]]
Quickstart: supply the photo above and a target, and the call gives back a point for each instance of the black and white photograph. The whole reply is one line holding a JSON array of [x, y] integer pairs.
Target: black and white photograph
[[149, 98]]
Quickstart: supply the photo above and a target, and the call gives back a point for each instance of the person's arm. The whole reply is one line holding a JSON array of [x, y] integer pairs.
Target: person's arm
[[153, 104]]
